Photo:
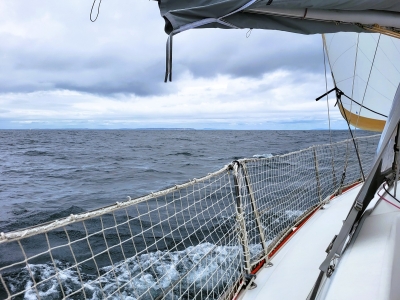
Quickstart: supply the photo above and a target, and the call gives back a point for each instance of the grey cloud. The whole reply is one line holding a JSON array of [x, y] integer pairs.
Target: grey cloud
[[255, 65], [237, 56], [123, 54], [57, 47], [103, 73]]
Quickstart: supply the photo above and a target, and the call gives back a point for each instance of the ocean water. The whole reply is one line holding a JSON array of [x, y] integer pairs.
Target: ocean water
[[48, 174]]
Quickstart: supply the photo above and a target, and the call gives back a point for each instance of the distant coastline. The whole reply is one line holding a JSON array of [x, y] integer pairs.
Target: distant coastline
[[170, 129]]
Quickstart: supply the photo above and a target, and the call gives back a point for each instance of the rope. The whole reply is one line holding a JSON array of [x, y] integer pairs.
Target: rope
[[352, 137], [98, 11], [390, 194], [386, 200], [249, 33]]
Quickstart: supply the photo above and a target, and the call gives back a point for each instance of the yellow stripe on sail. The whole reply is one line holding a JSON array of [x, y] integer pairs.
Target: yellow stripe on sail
[[362, 122]]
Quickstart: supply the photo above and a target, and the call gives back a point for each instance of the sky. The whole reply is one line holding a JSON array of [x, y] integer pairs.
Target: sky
[[60, 70]]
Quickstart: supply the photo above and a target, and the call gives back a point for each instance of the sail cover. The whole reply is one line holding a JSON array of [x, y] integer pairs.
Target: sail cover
[[298, 16], [366, 67]]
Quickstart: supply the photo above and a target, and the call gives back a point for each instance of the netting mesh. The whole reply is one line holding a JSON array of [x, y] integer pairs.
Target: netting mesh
[[286, 188], [192, 241]]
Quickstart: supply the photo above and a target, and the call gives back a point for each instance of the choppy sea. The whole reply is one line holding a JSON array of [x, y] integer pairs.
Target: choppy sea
[[48, 174]]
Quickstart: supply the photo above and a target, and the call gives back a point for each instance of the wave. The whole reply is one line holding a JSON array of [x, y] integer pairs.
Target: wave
[[294, 213], [27, 218], [205, 269], [266, 155], [37, 153], [185, 153]]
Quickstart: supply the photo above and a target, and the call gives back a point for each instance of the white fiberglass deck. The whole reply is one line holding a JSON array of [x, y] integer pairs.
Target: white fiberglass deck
[[370, 267], [296, 266]]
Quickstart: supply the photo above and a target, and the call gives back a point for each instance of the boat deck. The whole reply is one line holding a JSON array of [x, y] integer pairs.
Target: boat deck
[[370, 267], [296, 266]]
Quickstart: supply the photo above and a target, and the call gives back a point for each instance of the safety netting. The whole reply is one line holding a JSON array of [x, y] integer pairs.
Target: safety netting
[[197, 240], [284, 189]]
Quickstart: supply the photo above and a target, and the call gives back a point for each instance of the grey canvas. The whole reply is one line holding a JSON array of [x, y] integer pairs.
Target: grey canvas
[[178, 13]]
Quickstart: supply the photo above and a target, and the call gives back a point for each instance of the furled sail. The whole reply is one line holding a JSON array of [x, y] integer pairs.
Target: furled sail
[[366, 68]]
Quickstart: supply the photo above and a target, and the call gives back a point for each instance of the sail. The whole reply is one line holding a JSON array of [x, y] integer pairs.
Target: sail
[[366, 68]]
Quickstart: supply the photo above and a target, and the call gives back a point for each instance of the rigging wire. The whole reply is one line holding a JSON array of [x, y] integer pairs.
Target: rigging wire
[[352, 95], [334, 81], [326, 90], [354, 78], [369, 76], [352, 136], [98, 11], [365, 91], [371, 110], [337, 90], [355, 70], [339, 94], [329, 115]]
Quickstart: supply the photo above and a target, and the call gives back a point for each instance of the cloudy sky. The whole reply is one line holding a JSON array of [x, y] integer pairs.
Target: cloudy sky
[[59, 70]]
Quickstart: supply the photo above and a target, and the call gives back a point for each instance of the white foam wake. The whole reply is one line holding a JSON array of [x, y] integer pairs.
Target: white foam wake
[[204, 269], [266, 155]]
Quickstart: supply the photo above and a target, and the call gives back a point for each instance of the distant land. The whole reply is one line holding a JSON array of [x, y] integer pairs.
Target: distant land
[[156, 129], [181, 129], [38, 129]]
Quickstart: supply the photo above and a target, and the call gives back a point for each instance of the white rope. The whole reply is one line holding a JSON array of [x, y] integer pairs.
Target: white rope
[[98, 212], [213, 20]]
